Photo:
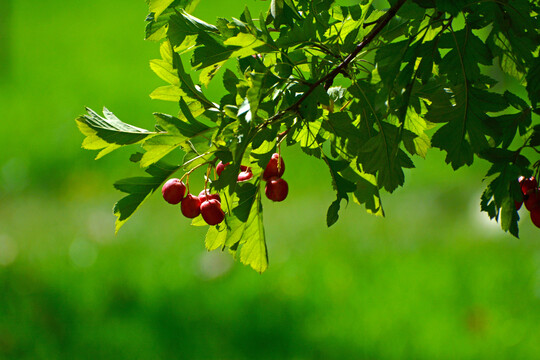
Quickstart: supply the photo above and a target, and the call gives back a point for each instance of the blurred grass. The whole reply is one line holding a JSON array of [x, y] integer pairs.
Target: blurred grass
[[434, 280]]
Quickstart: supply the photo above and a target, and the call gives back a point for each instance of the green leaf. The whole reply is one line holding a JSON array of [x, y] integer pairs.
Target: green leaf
[[504, 127], [159, 146], [533, 82], [212, 51], [509, 217], [498, 199], [514, 34], [332, 215], [215, 49], [297, 34], [228, 177], [366, 192], [108, 133], [341, 185], [245, 45], [171, 70], [254, 252], [389, 59], [466, 130], [255, 92], [182, 25], [246, 196], [164, 67], [535, 139], [167, 93], [235, 232], [345, 136], [138, 190], [198, 221], [307, 135], [451, 6], [158, 6], [207, 74], [247, 236], [160, 14], [180, 132], [189, 127], [215, 237], [467, 52], [193, 158], [418, 126], [496, 155], [276, 8], [380, 156]]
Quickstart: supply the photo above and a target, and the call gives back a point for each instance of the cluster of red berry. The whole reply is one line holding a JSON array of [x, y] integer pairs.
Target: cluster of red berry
[[209, 205], [206, 204], [276, 188], [244, 175], [531, 198]]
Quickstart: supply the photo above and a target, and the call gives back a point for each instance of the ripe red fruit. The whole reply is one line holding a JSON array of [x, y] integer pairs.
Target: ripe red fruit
[[245, 175], [272, 169], [243, 168], [173, 191], [518, 204], [527, 184], [191, 206], [532, 200], [203, 196], [276, 189], [535, 217], [220, 167], [211, 212]]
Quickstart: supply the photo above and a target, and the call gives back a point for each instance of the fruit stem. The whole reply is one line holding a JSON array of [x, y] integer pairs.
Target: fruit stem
[[192, 170], [196, 158], [281, 137], [208, 170], [346, 105], [279, 158]]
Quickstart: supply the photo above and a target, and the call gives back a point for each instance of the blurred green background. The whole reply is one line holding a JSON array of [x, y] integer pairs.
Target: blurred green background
[[434, 280]]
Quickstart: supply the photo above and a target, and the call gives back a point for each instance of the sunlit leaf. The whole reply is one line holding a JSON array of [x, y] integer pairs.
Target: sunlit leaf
[[108, 133]]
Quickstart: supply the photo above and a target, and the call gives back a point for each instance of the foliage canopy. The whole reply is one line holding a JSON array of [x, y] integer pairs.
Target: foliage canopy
[[363, 88]]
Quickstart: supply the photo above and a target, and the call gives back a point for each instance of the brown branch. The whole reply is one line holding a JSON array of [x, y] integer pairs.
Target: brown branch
[[282, 135], [329, 78]]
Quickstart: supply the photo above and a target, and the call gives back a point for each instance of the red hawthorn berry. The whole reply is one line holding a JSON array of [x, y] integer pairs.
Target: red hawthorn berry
[[527, 184], [173, 191], [535, 217], [220, 167], [518, 204], [245, 175], [211, 212], [533, 199], [203, 196], [191, 206], [276, 189], [244, 168], [272, 168]]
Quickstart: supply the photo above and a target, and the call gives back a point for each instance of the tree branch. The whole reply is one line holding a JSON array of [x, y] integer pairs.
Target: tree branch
[[329, 78]]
